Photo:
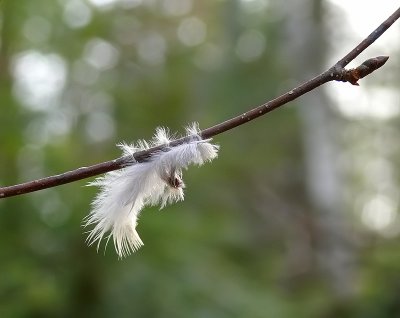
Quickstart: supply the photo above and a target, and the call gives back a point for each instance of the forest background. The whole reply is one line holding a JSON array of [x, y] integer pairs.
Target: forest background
[[299, 216]]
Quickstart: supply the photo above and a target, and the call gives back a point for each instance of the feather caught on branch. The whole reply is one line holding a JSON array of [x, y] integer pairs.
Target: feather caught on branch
[[125, 192]]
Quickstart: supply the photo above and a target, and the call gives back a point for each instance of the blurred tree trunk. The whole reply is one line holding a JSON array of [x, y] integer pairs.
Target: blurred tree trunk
[[306, 50]]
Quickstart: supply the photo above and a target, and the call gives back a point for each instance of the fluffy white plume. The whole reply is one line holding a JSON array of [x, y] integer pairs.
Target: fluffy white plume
[[125, 192]]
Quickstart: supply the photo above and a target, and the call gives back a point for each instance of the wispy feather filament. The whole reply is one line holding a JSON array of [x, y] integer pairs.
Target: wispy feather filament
[[125, 192]]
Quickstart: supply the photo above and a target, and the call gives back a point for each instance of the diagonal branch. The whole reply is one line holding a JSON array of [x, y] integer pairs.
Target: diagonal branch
[[336, 73]]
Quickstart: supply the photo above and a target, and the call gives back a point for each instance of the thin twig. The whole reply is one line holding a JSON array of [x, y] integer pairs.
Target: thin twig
[[335, 73]]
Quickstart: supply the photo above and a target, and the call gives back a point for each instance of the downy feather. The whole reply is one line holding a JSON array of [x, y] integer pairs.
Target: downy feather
[[125, 192]]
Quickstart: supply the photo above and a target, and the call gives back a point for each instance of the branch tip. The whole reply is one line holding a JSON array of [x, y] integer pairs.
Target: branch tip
[[367, 67]]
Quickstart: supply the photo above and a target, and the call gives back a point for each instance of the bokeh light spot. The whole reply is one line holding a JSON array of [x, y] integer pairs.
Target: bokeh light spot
[[250, 45], [152, 48], [99, 126], [176, 7], [39, 78], [37, 29], [101, 54], [379, 212], [192, 31], [76, 14]]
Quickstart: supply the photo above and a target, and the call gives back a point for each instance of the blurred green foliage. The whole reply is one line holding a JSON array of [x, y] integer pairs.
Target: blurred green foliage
[[130, 66]]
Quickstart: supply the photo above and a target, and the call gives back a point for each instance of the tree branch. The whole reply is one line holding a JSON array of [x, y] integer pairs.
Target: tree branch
[[335, 73]]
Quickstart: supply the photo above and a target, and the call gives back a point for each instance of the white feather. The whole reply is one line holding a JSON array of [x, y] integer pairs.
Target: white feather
[[125, 192]]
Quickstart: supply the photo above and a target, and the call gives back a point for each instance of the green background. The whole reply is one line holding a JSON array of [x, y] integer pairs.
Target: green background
[[250, 240]]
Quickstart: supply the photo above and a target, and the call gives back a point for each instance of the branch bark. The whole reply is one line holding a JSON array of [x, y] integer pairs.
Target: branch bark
[[335, 73]]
